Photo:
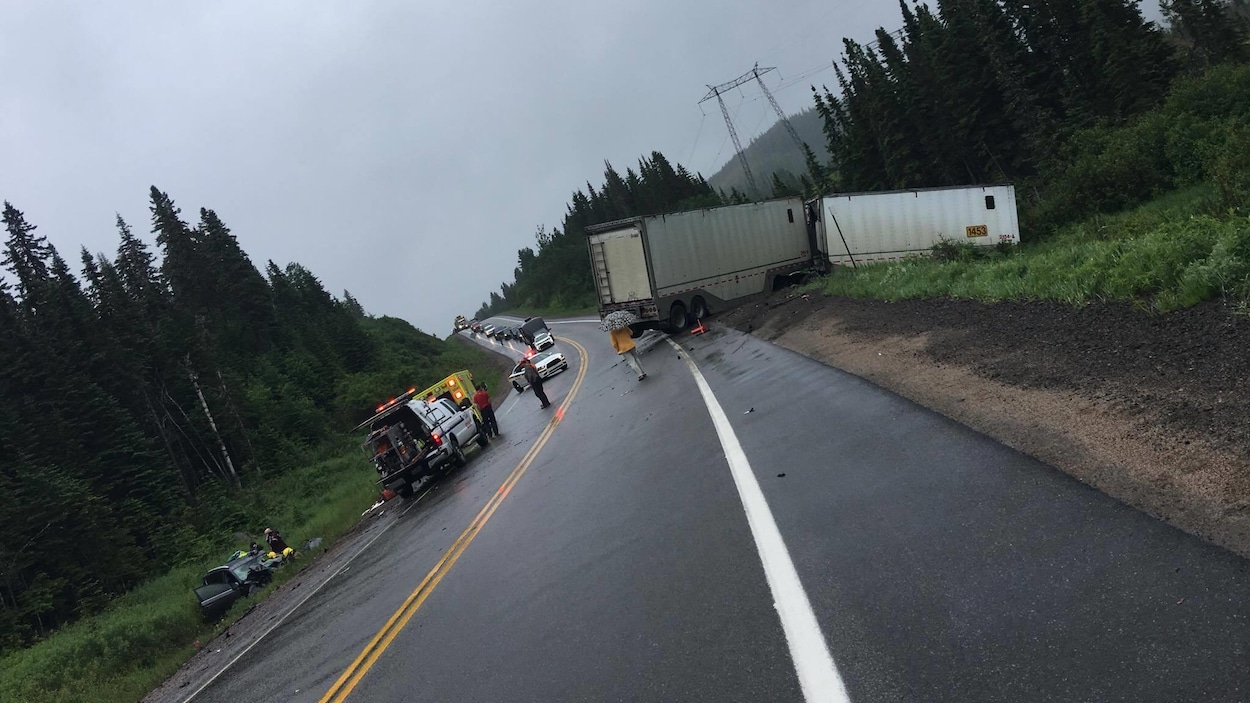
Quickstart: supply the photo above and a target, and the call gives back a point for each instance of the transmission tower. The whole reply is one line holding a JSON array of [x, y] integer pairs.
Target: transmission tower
[[785, 121], [755, 74], [715, 92]]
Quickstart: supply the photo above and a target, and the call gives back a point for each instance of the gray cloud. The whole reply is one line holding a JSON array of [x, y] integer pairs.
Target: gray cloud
[[381, 144]]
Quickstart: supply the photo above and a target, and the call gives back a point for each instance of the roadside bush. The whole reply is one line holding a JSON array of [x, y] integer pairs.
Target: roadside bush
[[1230, 170], [1106, 169], [1223, 91], [1194, 137], [954, 250]]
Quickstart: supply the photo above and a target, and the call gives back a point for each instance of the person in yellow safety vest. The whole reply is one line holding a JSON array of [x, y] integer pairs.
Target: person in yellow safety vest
[[623, 343]]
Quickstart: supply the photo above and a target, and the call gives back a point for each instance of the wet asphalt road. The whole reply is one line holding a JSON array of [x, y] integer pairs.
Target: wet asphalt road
[[940, 564]]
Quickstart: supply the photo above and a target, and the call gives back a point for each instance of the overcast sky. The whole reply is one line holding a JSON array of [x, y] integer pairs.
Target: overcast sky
[[400, 150]]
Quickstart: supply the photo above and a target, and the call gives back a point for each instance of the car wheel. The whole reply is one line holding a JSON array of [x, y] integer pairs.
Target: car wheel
[[457, 454], [518, 387], [698, 308], [677, 317]]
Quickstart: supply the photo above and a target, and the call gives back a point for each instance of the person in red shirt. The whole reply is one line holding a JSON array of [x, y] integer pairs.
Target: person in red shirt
[[482, 400]]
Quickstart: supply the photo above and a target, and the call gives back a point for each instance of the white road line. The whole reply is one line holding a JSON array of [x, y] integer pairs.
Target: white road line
[[818, 675], [512, 403], [310, 594]]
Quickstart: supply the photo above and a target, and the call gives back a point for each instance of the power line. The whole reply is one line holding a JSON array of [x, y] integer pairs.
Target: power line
[[696, 137], [715, 92], [785, 121]]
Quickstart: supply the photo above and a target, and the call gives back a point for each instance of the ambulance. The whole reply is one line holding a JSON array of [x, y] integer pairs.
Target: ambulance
[[458, 388]]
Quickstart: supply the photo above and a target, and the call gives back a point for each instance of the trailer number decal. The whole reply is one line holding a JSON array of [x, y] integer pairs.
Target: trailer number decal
[[978, 231]]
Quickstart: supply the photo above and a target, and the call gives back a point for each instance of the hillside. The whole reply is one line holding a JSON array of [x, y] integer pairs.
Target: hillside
[[773, 152]]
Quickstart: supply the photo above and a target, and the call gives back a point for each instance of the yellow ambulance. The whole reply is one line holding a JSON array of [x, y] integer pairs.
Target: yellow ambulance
[[458, 388]]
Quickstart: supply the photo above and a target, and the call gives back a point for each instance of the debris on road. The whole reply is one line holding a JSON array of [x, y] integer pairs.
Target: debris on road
[[749, 411]]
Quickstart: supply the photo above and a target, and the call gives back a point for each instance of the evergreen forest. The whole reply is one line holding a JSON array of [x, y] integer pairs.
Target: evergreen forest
[[139, 399], [1084, 104]]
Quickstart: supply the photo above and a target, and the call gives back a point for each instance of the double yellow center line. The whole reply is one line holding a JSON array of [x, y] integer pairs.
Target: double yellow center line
[[369, 655]]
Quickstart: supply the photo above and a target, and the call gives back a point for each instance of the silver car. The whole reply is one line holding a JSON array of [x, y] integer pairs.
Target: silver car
[[548, 363]]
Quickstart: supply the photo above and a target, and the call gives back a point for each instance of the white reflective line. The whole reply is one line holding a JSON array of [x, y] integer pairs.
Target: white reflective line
[[512, 403], [818, 675]]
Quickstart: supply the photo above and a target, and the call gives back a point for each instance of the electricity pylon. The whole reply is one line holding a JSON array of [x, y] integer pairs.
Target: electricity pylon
[[715, 92], [785, 121], [753, 75]]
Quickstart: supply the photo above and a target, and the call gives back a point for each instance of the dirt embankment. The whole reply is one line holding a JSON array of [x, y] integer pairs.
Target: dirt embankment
[[1151, 409]]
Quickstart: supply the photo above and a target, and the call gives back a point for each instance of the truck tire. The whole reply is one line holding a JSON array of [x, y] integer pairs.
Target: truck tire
[[698, 308], [457, 454], [678, 320], [405, 490]]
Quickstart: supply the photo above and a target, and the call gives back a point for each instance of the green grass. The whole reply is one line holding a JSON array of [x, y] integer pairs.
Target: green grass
[[1166, 255], [145, 635]]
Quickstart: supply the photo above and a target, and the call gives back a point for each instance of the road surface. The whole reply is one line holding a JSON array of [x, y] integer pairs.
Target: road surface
[[601, 550]]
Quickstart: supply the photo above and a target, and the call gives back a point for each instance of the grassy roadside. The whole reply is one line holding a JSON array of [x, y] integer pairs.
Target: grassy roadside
[[494, 368], [1167, 254], [144, 636]]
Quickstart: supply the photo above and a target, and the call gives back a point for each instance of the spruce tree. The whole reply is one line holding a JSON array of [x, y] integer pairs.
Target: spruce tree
[[1212, 32]]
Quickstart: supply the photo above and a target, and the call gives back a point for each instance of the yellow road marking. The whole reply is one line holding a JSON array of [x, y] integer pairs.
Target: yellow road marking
[[369, 655]]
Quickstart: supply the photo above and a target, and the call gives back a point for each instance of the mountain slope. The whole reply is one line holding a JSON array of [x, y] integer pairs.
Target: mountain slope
[[774, 152]]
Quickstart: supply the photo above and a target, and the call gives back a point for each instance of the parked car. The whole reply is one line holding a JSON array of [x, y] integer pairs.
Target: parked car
[[231, 581], [543, 340], [548, 363]]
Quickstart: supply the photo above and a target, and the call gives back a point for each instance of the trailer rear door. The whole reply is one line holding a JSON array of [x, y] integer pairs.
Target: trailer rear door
[[620, 266]]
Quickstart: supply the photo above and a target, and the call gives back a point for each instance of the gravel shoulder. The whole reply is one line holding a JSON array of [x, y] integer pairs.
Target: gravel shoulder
[[1151, 409]]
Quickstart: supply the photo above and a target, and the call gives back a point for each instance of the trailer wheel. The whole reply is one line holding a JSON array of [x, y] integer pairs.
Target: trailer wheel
[[678, 320], [457, 454], [698, 308]]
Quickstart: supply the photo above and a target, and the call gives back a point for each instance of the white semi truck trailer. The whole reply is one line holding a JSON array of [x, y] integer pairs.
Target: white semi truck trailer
[[864, 228], [670, 269]]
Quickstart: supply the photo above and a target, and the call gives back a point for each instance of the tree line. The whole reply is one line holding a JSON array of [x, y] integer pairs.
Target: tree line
[[977, 91], [137, 397], [556, 275], [1038, 92]]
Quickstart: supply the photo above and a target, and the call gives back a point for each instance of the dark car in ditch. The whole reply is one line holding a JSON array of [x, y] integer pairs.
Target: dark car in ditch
[[231, 581]]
